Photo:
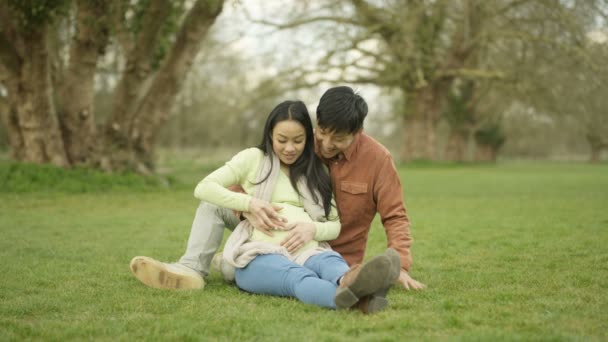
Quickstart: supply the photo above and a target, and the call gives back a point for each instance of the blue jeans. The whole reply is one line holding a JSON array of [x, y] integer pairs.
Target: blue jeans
[[274, 274]]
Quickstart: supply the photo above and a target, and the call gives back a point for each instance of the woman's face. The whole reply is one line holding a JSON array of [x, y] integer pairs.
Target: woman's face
[[288, 141]]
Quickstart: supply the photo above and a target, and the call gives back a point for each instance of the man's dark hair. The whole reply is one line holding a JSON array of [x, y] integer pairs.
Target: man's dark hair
[[341, 110]]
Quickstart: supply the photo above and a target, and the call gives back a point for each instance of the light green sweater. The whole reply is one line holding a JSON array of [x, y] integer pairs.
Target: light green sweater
[[243, 169]]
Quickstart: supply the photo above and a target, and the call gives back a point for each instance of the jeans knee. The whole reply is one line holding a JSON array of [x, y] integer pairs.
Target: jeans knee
[[227, 216], [333, 254], [329, 256], [208, 207], [297, 275]]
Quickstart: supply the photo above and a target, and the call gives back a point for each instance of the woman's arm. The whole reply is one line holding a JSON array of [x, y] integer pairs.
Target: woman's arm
[[240, 169], [213, 188], [330, 229]]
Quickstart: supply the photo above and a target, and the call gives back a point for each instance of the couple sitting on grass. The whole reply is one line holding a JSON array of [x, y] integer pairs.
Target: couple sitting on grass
[[287, 239]]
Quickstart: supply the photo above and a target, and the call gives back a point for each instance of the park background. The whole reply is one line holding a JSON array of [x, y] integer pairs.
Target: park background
[[495, 112]]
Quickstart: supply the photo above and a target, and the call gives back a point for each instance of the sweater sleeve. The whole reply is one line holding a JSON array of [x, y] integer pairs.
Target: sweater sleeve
[[213, 188], [330, 229]]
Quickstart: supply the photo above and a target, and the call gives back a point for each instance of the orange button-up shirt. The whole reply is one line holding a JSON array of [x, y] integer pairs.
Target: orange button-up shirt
[[366, 182]]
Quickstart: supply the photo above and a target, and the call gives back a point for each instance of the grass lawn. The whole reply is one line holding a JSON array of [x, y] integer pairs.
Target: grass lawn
[[509, 252]]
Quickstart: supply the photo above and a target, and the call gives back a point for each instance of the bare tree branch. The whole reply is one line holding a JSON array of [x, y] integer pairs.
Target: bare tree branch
[[120, 30], [510, 6], [156, 105], [472, 73], [138, 68], [301, 22], [600, 11], [371, 13]]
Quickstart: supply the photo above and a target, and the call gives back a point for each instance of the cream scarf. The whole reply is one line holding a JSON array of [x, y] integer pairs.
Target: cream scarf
[[239, 251]]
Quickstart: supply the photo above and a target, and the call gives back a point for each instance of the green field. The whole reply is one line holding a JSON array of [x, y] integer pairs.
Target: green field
[[508, 252]]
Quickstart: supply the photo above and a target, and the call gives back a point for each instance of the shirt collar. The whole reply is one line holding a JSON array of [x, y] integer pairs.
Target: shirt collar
[[348, 153]]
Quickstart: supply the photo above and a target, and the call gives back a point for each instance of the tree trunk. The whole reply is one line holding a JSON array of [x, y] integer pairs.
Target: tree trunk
[[597, 145], [77, 91], [128, 92], [10, 65], [485, 153], [417, 139], [156, 105], [456, 145], [11, 124], [595, 154], [423, 108], [35, 111], [142, 101], [8, 115]]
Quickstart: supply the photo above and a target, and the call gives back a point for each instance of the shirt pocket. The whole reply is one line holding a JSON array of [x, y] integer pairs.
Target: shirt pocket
[[353, 198]]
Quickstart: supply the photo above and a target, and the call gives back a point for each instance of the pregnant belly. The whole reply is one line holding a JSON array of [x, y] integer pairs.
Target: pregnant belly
[[293, 214]]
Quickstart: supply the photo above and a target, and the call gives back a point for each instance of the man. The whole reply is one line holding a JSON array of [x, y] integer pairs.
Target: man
[[365, 181], [364, 178]]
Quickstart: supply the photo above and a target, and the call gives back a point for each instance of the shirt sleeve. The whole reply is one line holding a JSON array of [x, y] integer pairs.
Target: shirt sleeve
[[213, 188], [330, 229], [388, 195]]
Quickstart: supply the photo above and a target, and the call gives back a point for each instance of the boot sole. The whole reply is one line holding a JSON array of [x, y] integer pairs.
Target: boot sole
[[378, 301], [366, 282], [156, 275]]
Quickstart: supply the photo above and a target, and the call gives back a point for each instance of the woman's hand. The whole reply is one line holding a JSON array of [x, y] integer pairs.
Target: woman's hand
[[300, 234], [264, 216]]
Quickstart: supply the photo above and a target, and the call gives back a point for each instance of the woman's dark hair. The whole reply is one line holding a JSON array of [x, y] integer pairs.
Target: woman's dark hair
[[340, 109], [308, 165]]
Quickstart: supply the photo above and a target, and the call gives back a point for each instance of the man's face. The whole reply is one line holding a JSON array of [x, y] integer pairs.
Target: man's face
[[331, 143]]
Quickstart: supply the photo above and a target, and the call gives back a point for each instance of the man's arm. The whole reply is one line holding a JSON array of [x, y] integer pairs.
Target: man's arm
[[388, 195]]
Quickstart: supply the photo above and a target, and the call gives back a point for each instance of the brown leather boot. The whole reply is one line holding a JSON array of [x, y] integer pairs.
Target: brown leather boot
[[372, 304], [363, 280], [377, 301]]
